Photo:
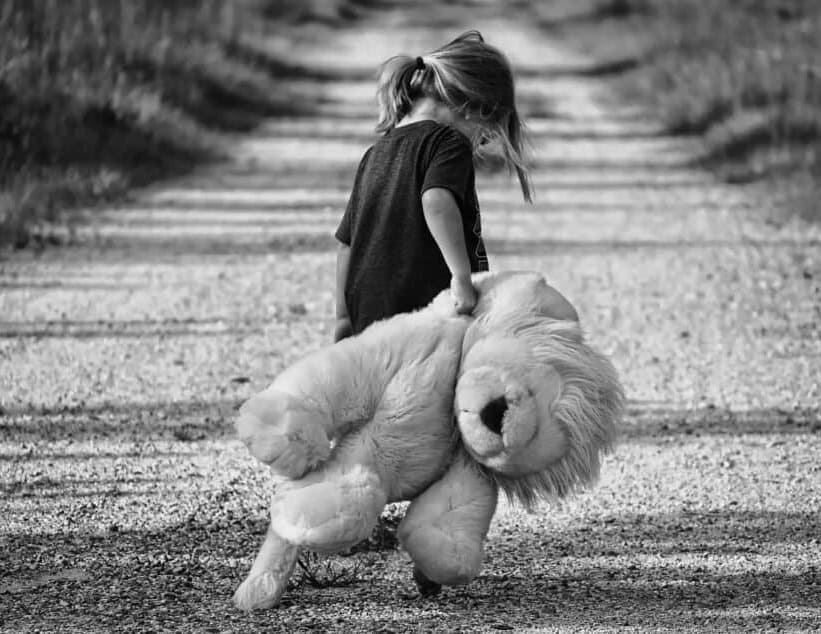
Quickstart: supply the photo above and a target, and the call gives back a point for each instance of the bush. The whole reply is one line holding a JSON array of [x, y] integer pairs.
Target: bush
[[98, 95], [746, 74]]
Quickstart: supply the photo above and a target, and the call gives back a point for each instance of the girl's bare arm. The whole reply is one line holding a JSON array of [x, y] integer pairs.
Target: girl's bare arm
[[444, 221], [343, 321]]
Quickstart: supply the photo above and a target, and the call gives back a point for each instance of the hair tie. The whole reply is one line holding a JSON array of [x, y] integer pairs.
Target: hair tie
[[420, 63]]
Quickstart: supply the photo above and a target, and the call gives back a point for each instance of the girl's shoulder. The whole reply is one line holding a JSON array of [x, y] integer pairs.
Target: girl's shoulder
[[451, 135], [430, 129], [418, 141]]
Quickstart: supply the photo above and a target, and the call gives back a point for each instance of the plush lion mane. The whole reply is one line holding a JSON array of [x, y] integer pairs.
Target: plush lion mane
[[590, 404]]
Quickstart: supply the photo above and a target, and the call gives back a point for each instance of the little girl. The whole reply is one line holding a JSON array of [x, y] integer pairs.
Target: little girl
[[412, 226]]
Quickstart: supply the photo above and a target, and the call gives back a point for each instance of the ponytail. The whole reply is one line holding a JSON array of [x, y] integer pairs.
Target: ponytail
[[399, 84]]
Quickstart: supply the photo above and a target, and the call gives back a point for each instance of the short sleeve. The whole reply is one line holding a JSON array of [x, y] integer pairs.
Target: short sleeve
[[451, 165], [344, 232]]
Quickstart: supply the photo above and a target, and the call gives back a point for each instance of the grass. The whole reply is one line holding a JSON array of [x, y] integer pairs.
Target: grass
[[744, 74], [97, 96], [349, 567]]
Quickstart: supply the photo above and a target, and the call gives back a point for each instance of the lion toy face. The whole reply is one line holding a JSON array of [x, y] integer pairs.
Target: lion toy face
[[534, 404], [499, 409]]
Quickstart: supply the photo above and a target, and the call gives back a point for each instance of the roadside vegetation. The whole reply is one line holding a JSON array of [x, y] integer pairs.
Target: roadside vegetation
[[97, 96], [744, 74]]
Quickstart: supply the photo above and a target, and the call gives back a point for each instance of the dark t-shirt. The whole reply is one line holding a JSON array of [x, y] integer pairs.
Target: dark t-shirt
[[395, 265]]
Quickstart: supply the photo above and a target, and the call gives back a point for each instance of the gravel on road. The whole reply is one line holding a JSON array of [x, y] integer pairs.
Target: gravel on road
[[128, 505]]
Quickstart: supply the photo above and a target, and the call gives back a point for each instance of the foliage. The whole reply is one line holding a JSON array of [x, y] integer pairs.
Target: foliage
[[713, 60], [97, 95], [746, 74]]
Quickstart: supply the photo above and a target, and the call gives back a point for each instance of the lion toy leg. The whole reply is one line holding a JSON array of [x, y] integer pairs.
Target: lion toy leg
[[328, 510]]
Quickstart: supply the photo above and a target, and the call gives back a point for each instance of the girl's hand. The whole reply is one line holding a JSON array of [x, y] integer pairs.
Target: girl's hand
[[463, 293], [343, 329]]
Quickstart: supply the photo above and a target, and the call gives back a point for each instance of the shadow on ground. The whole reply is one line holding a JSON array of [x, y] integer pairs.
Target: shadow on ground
[[203, 420], [646, 421], [587, 576], [89, 329], [161, 248], [134, 422]]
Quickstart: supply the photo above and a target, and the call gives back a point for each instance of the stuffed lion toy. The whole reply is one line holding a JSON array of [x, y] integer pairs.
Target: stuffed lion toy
[[440, 409]]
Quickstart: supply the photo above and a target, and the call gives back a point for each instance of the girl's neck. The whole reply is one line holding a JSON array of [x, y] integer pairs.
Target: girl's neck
[[427, 109]]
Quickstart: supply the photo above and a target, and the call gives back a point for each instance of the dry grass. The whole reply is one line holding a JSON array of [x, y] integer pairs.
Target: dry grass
[[746, 74], [350, 566], [100, 95]]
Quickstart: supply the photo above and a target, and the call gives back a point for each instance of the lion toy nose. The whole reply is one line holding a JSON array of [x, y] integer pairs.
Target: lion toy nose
[[491, 414]]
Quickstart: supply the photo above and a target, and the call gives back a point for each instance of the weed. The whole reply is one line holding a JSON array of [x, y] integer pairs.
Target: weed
[[350, 566], [100, 95], [321, 571], [744, 74]]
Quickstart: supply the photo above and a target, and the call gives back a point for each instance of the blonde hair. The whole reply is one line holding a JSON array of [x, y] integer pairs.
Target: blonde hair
[[471, 78]]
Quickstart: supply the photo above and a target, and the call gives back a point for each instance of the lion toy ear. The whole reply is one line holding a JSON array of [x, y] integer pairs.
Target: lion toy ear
[[535, 405]]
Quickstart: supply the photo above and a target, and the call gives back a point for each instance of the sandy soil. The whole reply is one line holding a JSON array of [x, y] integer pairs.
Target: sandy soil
[[127, 505]]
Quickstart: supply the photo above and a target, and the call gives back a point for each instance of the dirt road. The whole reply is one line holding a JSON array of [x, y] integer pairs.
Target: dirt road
[[128, 506]]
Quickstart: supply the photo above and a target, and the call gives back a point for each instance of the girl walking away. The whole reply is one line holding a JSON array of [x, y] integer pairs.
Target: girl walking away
[[412, 226]]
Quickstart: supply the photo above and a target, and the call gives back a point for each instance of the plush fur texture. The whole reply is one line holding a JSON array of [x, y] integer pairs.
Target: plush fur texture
[[536, 339], [369, 420]]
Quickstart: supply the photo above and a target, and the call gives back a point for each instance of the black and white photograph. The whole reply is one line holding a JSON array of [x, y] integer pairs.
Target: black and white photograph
[[404, 316]]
